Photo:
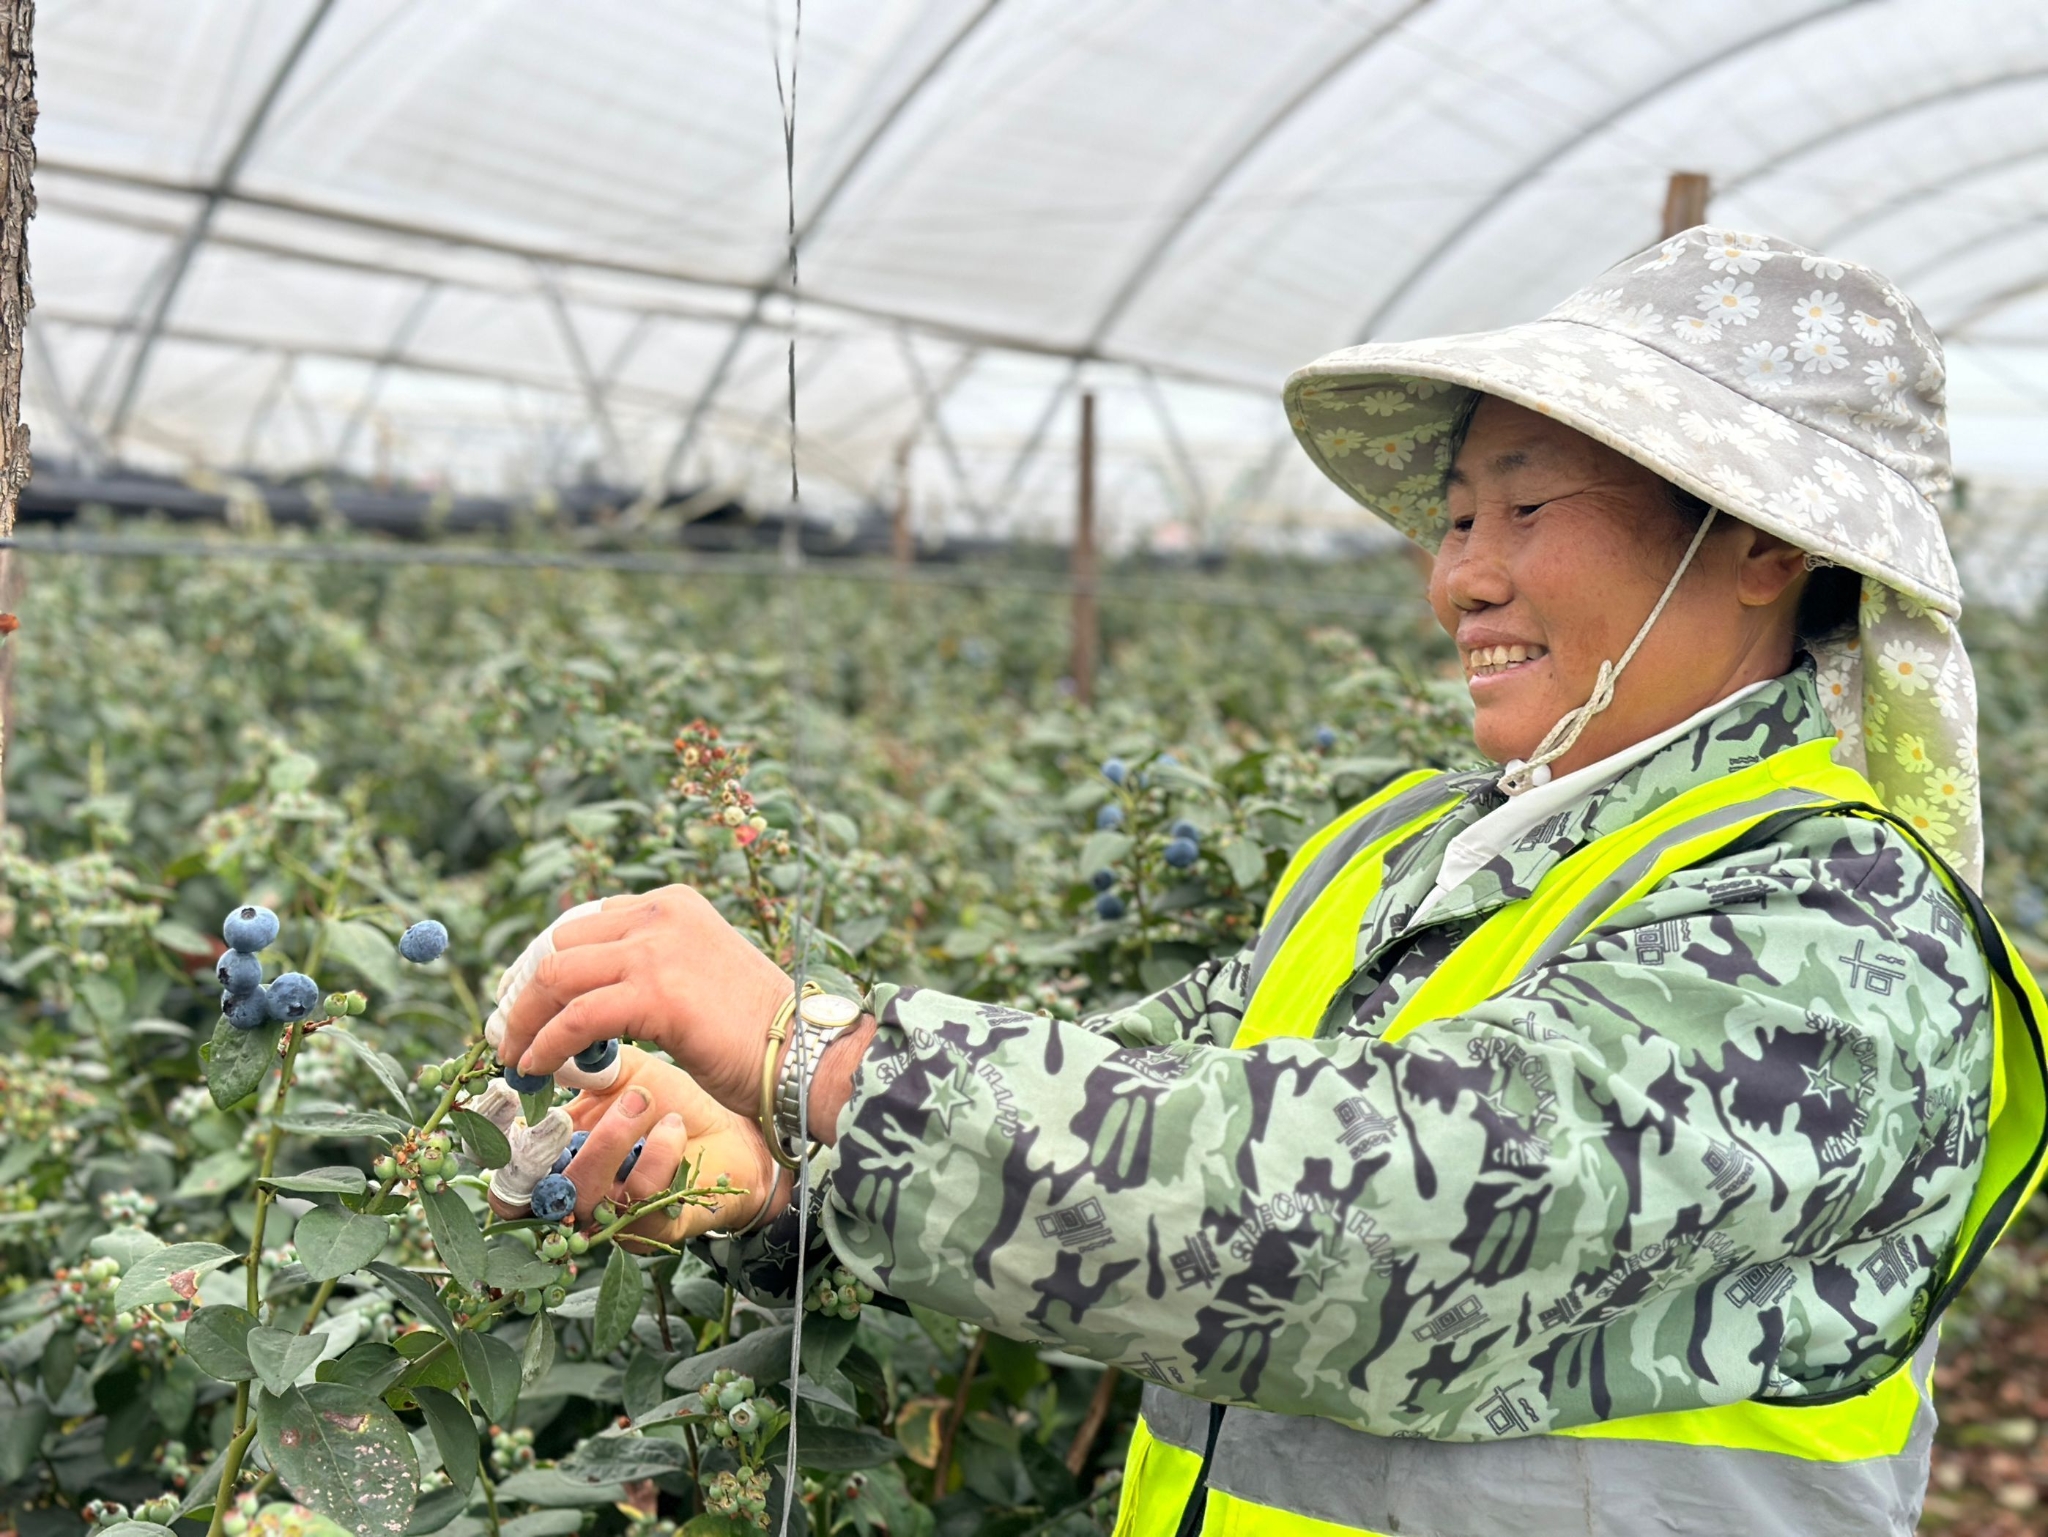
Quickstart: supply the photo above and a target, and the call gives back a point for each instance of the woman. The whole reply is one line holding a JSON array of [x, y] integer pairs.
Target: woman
[[1587, 1145]]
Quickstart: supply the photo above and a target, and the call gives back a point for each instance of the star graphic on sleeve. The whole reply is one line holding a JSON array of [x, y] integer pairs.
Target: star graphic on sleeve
[[950, 1097], [1317, 1265], [1822, 1083]]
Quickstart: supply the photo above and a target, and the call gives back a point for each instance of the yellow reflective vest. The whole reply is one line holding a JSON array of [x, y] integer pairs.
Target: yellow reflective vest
[[1843, 1465]]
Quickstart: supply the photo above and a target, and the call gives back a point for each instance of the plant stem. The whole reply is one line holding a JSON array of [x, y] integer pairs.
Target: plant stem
[[1091, 1422], [483, 1477], [942, 1469], [272, 1142], [231, 1461]]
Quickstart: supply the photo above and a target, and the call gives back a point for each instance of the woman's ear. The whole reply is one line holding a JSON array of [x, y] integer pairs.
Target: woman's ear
[[1766, 567]]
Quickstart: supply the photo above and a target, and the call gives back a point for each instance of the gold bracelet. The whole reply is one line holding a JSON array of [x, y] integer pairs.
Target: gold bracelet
[[778, 1032]]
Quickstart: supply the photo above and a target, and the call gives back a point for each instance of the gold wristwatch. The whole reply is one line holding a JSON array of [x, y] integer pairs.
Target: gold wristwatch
[[817, 1017]]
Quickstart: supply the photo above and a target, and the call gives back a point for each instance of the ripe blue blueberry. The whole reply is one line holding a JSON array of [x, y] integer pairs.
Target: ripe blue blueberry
[[632, 1158], [595, 1059], [1102, 880], [1182, 852], [424, 941], [529, 1083], [1109, 907], [239, 974], [1326, 737], [1185, 829], [554, 1197], [251, 1011], [1109, 818], [1113, 770], [292, 996], [249, 929], [575, 1146]]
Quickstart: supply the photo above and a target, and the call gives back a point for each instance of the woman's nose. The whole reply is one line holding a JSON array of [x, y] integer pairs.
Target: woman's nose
[[1472, 572]]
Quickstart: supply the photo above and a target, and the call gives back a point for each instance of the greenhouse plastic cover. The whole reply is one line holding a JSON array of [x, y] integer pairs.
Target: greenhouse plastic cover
[[502, 243]]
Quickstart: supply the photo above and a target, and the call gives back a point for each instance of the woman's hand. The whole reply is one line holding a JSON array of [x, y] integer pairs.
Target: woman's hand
[[682, 1124], [663, 967]]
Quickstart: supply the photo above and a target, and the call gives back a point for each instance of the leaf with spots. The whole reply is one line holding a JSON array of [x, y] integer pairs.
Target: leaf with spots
[[169, 1274], [343, 1453]]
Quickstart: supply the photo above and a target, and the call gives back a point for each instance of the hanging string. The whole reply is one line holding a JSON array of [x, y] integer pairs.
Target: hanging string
[[1526, 773], [792, 556]]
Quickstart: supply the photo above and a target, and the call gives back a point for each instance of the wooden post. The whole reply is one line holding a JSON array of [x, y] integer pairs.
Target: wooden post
[[901, 549], [1082, 667], [1685, 202], [17, 144]]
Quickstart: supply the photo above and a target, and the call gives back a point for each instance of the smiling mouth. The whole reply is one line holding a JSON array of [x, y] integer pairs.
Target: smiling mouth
[[1495, 661]]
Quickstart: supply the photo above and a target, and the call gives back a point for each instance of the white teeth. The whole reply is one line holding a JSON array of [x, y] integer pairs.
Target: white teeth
[[1491, 658]]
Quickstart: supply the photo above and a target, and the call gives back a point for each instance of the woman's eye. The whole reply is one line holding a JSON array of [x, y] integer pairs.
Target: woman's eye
[[1523, 509]]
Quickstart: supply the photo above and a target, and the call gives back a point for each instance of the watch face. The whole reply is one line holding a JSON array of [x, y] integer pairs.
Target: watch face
[[829, 1011]]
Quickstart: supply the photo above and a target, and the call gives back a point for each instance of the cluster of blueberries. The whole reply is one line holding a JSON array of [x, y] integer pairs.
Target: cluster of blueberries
[[248, 1004], [554, 1193], [1183, 843]]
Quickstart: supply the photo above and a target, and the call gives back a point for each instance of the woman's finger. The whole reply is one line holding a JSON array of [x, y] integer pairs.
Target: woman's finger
[[558, 978], [595, 1170], [658, 1160], [603, 1014]]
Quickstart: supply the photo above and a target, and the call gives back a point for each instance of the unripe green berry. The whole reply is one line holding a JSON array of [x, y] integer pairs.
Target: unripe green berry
[[557, 1295], [578, 1244], [529, 1302], [385, 1167], [430, 1077]]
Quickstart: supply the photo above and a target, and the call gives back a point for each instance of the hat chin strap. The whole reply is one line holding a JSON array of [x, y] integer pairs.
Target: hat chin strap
[[1526, 773]]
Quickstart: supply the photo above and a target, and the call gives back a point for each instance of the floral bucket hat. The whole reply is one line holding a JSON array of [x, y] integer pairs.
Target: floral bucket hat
[[1797, 392]]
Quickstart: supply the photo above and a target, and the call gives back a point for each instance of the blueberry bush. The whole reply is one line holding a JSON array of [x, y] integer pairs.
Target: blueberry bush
[[249, 1282]]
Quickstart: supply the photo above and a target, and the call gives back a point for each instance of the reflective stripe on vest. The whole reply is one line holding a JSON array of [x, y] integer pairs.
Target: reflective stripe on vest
[[1854, 1462]]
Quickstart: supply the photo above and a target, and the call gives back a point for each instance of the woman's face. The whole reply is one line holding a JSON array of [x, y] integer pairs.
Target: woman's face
[[1559, 547]]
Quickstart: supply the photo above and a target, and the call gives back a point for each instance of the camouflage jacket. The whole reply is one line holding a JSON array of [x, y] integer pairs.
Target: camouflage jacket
[[1721, 1148]]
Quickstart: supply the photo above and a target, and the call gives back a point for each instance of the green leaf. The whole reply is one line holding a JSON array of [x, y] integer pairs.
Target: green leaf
[[340, 1121], [236, 1061], [545, 1523], [334, 1179], [535, 1107], [643, 1387], [169, 1275], [333, 1242], [436, 1509], [510, 1266], [1247, 862], [844, 1449], [60, 1360], [21, 1437], [454, 1433], [366, 950], [825, 1343], [625, 1458], [538, 1353], [344, 1454], [421, 1296], [492, 1367], [216, 1338], [618, 1303], [1102, 851], [215, 1174], [856, 934], [486, 1144], [762, 1355], [551, 1487], [281, 1358], [370, 1365], [457, 1237], [126, 1244], [383, 1068], [699, 1295]]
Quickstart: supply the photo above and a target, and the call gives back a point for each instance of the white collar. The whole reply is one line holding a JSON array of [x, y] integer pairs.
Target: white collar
[[1481, 843]]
